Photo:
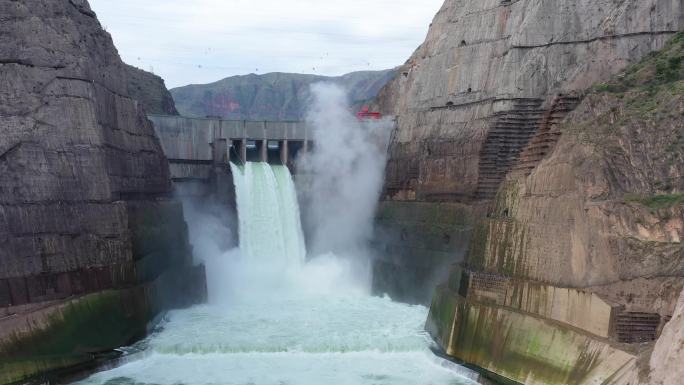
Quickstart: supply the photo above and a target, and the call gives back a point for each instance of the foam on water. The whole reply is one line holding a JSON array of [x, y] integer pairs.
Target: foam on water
[[337, 340], [284, 320]]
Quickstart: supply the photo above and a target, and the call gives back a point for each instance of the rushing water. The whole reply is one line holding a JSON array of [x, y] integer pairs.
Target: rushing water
[[280, 320]]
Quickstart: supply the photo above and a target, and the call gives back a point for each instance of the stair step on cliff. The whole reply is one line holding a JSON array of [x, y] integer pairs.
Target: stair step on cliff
[[513, 127], [499, 138], [636, 327], [503, 149], [483, 186], [519, 118], [536, 151]]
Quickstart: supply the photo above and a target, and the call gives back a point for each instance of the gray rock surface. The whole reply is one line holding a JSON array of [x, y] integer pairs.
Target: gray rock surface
[[75, 149], [667, 358], [481, 57], [150, 90]]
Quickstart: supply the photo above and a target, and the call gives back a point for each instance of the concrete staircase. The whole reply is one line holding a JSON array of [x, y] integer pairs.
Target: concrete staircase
[[636, 327], [511, 133], [546, 138]]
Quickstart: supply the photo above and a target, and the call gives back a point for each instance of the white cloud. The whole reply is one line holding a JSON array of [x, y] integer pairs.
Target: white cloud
[[200, 41]]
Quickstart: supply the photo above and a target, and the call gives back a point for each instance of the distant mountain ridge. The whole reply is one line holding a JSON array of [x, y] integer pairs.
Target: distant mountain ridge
[[272, 96]]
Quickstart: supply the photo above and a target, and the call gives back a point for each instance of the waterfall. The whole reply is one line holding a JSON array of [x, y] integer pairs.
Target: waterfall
[[268, 214]]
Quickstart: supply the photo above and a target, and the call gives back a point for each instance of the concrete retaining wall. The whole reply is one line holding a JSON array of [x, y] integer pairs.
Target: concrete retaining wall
[[521, 347]]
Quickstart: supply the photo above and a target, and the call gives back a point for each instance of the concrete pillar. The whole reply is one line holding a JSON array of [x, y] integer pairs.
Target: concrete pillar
[[305, 147], [219, 151], [284, 153], [262, 150], [221, 181], [243, 150]]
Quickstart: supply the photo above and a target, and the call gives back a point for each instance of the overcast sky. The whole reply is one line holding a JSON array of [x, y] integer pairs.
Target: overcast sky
[[201, 41]]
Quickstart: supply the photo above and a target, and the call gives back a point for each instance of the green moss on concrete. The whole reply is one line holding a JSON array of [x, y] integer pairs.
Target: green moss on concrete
[[515, 345], [499, 240], [159, 228], [73, 333], [159, 237], [417, 242], [456, 278], [445, 214], [441, 317], [478, 246]]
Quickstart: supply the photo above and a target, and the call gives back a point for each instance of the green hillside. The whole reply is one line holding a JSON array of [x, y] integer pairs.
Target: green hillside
[[273, 96]]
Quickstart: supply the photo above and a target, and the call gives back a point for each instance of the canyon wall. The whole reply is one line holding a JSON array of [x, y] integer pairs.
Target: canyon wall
[[150, 90], [91, 246], [512, 110], [666, 361]]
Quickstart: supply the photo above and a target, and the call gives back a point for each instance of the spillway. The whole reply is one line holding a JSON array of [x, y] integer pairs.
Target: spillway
[[287, 319], [268, 214]]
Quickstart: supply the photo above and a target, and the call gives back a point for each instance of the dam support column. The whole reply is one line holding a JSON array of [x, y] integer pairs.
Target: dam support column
[[219, 152], [262, 150], [239, 153], [243, 150], [221, 177], [284, 153]]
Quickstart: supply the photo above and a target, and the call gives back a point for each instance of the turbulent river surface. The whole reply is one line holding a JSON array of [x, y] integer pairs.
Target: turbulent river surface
[[282, 320]]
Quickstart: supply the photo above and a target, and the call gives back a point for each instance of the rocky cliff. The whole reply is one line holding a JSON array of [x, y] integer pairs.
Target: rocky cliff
[[273, 96], [666, 361], [151, 91], [490, 76], [511, 108], [90, 244]]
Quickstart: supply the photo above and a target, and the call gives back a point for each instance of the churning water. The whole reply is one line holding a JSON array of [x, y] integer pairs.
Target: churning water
[[276, 319]]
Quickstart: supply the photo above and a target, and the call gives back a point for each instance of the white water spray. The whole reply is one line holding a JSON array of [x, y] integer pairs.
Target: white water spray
[[346, 169]]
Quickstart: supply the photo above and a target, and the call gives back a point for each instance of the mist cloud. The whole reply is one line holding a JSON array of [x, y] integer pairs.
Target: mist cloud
[[343, 174]]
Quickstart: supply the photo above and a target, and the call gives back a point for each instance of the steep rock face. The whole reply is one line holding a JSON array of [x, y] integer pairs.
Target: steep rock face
[[492, 61], [73, 142], [581, 196], [606, 205], [151, 91], [484, 95], [83, 190], [603, 213], [668, 355], [416, 244]]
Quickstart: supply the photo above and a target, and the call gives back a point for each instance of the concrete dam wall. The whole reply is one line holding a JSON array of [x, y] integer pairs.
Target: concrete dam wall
[[199, 149]]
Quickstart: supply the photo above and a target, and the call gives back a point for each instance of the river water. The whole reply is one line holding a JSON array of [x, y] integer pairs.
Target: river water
[[276, 319]]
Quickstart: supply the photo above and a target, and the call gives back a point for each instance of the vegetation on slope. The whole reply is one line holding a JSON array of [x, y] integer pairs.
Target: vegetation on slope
[[635, 123], [274, 96]]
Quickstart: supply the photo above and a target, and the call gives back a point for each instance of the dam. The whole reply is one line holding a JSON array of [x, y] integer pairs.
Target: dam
[[199, 149]]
